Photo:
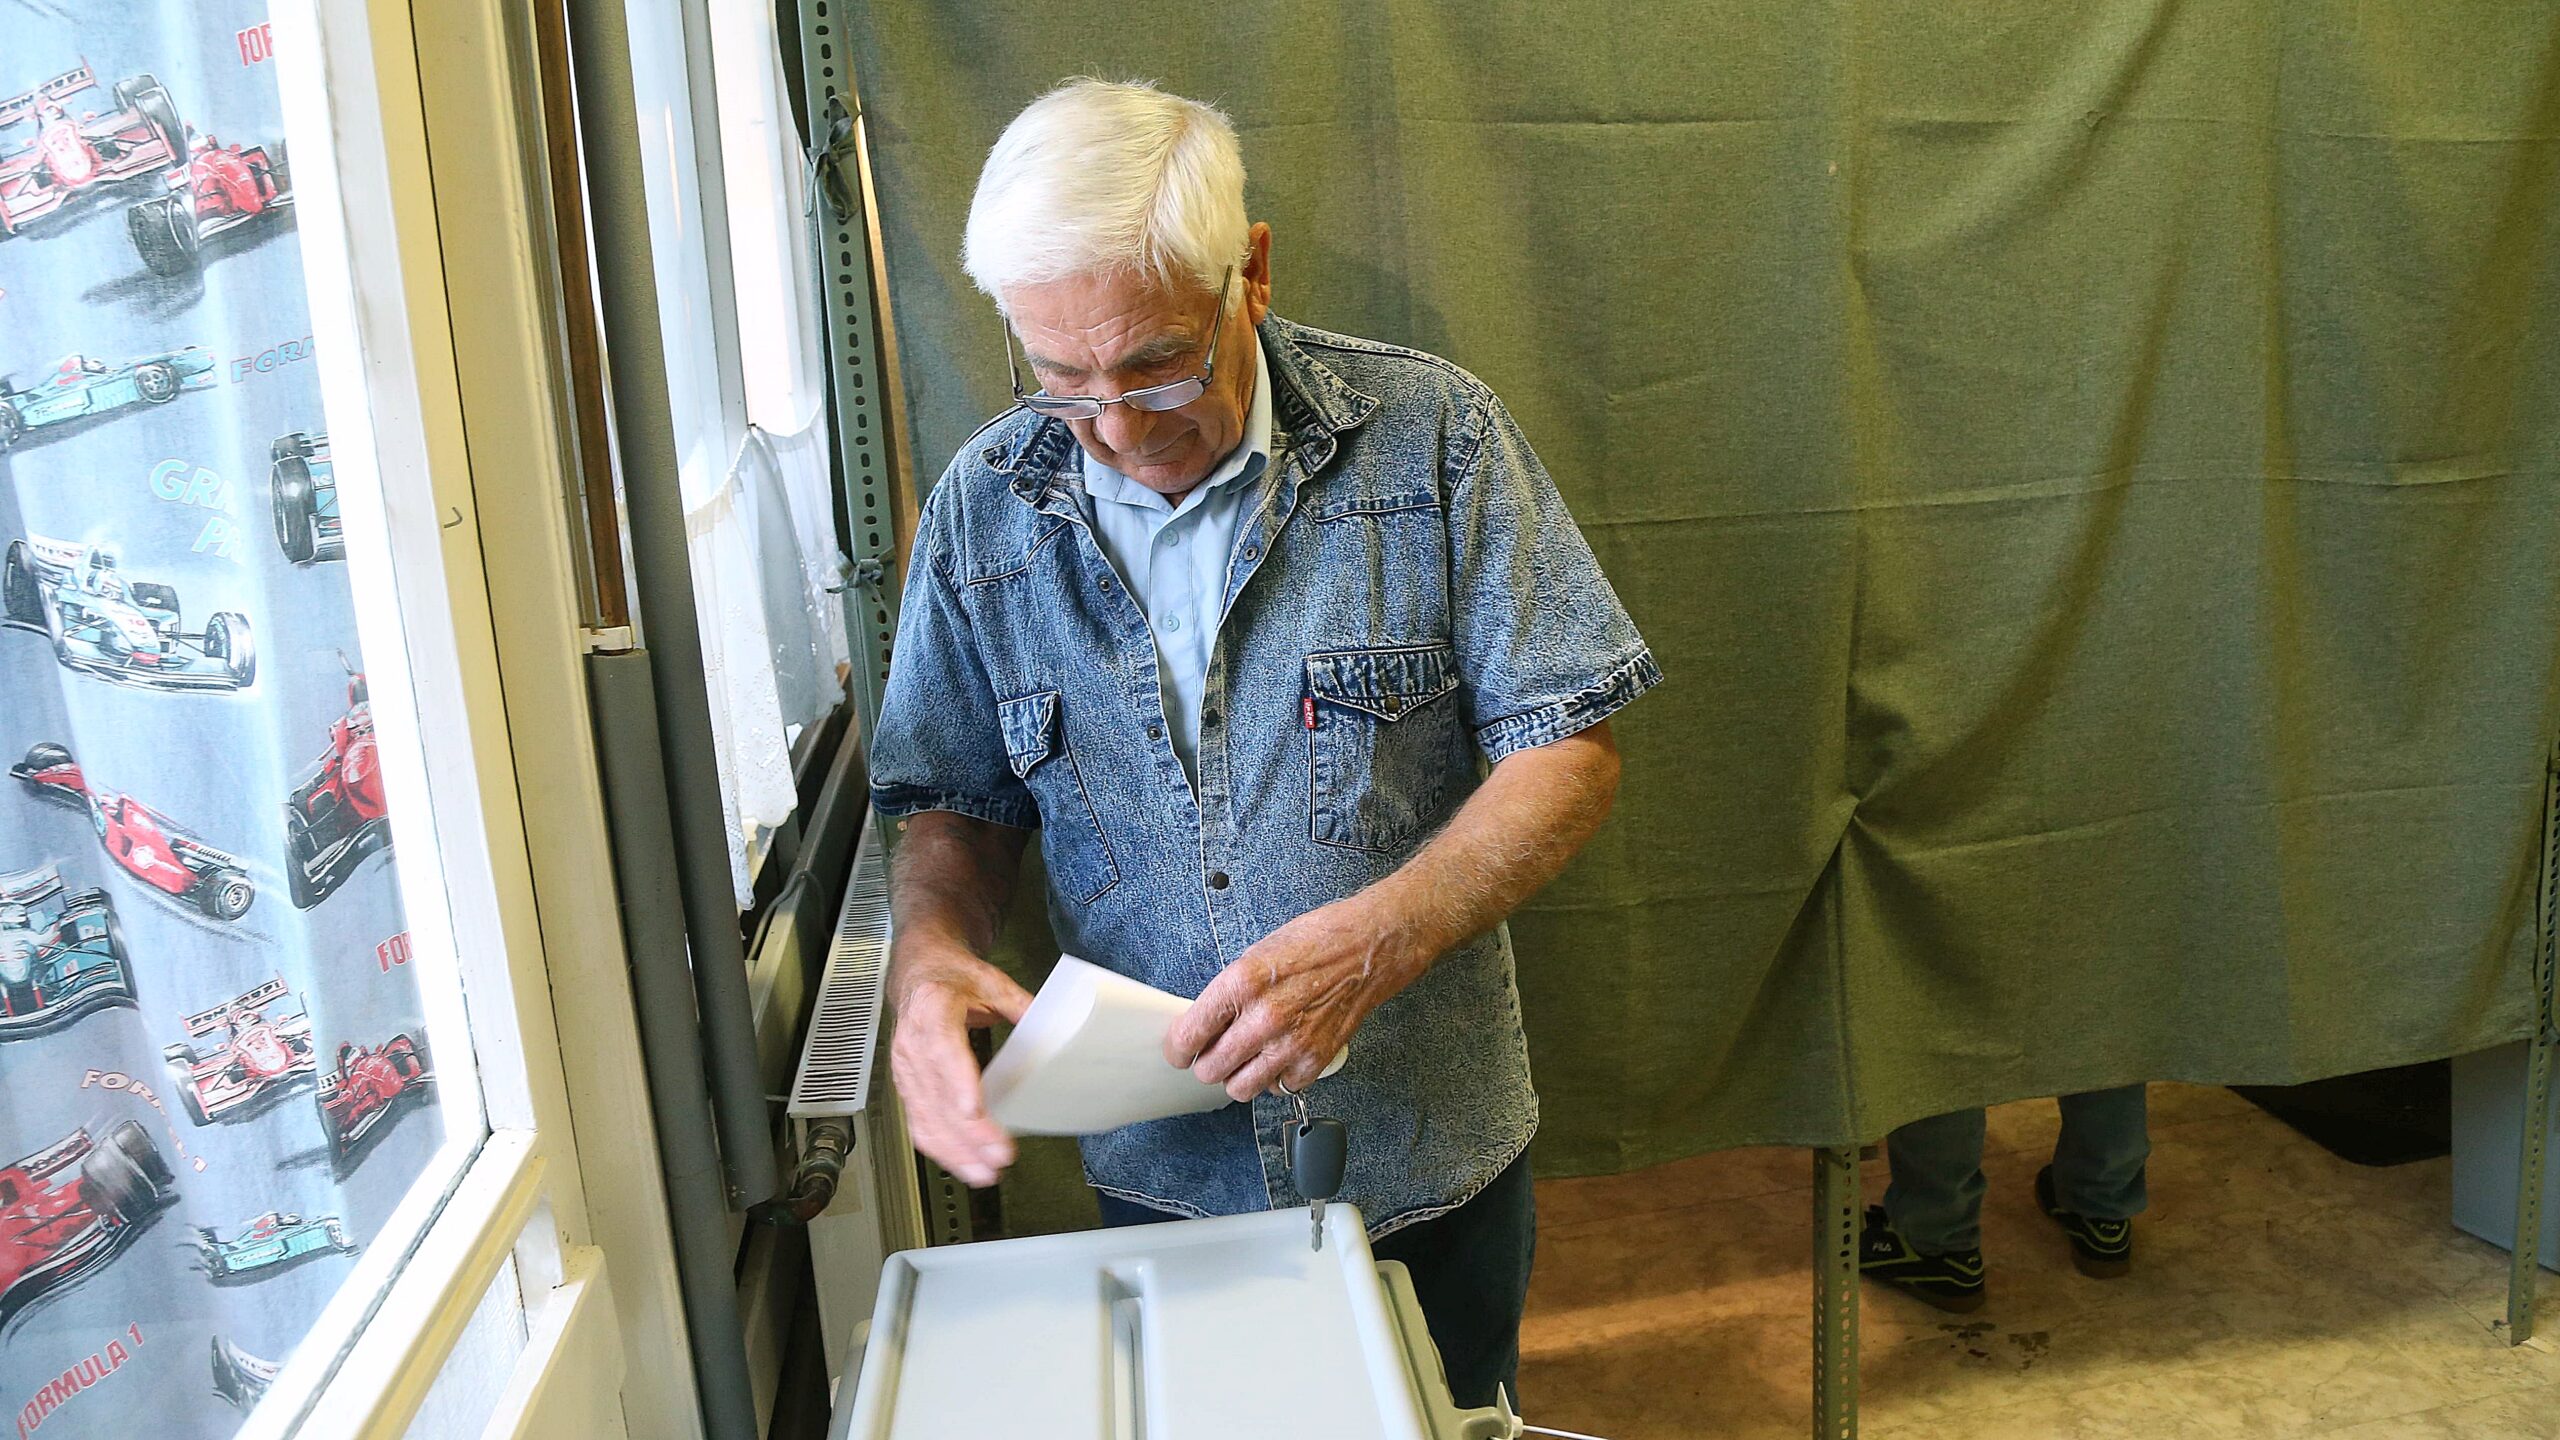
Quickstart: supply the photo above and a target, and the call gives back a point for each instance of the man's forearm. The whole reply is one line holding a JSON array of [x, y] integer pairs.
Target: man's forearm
[[949, 884], [1516, 833]]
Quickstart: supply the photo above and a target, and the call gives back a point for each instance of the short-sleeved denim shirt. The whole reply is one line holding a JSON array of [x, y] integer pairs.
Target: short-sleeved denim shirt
[[1406, 599]]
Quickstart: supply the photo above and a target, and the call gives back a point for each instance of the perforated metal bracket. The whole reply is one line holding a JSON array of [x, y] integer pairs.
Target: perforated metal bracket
[[946, 1205], [840, 237], [1835, 1294], [2524, 1271]]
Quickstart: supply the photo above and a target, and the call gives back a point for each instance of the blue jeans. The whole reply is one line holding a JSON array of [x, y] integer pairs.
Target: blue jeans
[[1935, 1199], [1470, 1269]]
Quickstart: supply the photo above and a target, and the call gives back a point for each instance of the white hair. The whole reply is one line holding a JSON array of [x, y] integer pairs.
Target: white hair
[[1102, 178]]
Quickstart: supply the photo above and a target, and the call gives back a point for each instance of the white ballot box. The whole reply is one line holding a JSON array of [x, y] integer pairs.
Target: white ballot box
[[1225, 1329]]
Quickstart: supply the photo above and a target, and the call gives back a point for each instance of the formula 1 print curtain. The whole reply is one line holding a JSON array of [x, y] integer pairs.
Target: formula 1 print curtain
[[215, 1085], [2090, 473]]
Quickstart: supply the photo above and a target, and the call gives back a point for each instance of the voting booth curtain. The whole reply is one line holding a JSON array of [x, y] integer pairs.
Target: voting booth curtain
[[2091, 475]]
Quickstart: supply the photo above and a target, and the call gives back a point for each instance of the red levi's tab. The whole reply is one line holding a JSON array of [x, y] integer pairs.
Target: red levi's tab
[[1308, 708]]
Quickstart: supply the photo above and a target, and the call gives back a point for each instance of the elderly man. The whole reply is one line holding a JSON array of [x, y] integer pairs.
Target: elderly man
[[1234, 612]]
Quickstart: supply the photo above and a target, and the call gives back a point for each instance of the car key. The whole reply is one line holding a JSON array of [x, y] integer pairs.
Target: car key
[[1319, 1149]]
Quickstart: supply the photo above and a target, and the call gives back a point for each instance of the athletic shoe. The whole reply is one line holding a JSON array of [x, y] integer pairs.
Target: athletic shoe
[[1952, 1282], [2103, 1249]]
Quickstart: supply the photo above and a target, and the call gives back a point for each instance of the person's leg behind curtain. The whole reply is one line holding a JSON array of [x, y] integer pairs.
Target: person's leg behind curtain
[[1935, 1200], [2099, 1163]]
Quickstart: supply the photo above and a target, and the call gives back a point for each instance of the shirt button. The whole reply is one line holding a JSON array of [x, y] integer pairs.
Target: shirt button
[[1217, 879], [1173, 623]]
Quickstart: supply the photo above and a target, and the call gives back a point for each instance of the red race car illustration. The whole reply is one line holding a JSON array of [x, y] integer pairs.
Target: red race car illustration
[[220, 189], [69, 155], [367, 1087], [334, 818], [252, 1058], [142, 840], [67, 1210]]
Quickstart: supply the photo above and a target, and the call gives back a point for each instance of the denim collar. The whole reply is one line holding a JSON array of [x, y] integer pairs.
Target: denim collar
[[1312, 404]]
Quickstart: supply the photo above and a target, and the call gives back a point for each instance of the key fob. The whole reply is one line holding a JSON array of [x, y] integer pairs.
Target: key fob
[[1318, 1151]]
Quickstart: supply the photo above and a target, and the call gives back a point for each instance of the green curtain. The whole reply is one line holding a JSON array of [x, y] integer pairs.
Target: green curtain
[[2091, 474]]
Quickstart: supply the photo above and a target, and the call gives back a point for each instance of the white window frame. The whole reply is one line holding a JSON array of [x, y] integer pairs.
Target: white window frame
[[348, 71]]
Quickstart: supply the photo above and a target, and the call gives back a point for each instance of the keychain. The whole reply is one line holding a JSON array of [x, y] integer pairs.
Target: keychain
[[1316, 1153]]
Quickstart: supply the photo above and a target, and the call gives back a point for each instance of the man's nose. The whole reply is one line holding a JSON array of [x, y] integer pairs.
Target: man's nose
[[1124, 428]]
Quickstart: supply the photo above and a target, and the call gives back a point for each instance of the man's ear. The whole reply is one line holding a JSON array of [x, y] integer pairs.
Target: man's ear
[[1257, 272]]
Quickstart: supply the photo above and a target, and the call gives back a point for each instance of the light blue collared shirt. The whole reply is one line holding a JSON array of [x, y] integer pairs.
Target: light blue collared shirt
[[1173, 557]]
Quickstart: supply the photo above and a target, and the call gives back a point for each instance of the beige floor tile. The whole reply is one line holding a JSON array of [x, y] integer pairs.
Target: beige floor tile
[[1682, 1185], [2174, 1104], [1734, 1379], [2517, 1415], [1662, 1271], [2473, 1357]]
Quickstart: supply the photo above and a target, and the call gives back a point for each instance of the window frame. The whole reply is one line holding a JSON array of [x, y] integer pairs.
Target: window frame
[[357, 115]]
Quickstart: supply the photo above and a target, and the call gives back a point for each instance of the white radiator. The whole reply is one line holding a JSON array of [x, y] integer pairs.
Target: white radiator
[[879, 1207]]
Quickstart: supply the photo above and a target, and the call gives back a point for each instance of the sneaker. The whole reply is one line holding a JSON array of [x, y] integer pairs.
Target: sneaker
[[1953, 1282], [2102, 1249]]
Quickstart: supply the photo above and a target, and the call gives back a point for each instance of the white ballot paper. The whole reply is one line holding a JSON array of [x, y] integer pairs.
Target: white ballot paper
[[1089, 1057]]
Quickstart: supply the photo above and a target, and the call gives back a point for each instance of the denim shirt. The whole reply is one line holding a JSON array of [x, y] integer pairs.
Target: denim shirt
[[1408, 598]]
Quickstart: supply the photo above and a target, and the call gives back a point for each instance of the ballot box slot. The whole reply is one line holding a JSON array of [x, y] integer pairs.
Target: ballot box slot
[[1124, 1382]]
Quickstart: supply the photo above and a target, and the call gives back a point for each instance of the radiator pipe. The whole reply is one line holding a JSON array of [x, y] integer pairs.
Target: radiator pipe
[[823, 1149], [662, 565], [635, 791]]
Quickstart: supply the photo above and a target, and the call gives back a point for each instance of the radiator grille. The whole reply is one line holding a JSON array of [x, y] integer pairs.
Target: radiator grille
[[844, 1033]]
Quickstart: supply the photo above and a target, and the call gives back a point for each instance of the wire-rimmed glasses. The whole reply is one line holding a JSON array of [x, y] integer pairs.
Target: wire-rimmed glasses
[[1153, 398]]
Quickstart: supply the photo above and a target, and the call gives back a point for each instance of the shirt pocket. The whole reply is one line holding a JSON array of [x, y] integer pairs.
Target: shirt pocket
[[1071, 841], [1382, 740]]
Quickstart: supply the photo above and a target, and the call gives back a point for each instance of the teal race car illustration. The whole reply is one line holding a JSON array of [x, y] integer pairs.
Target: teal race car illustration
[[125, 630], [304, 486], [61, 955], [273, 1239], [81, 386]]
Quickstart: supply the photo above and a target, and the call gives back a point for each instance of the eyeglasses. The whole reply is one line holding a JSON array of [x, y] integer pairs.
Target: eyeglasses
[[1153, 398]]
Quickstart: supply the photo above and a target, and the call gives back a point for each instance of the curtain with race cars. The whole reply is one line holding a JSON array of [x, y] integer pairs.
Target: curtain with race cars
[[214, 1082]]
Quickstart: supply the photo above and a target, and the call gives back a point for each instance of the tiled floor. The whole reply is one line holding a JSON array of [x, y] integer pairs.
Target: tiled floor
[[2279, 1292]]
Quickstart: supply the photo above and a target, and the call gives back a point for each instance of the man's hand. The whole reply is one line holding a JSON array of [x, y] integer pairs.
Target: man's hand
[[947, 887], [939, 998], [1279, 1014], [1288, 1005]]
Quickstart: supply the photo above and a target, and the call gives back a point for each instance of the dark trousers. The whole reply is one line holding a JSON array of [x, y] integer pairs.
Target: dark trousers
[[1470, 1270]]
